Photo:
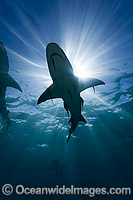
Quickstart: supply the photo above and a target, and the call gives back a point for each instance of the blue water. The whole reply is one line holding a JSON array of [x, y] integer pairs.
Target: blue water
[[97, 37]]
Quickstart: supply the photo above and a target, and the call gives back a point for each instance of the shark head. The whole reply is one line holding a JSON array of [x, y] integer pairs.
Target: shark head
[[58, 62], [53, 49]]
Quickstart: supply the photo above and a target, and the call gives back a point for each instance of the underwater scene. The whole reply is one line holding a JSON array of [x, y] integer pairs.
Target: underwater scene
[[61, 42]]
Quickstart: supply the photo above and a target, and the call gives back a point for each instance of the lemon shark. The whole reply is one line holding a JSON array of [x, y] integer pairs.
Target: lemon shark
[[66, 85], [5, 81]]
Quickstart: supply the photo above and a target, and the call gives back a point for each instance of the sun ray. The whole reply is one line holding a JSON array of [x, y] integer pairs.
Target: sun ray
[[24, 59]]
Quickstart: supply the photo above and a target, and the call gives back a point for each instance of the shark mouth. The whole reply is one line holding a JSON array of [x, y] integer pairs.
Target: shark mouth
[[55, 54]]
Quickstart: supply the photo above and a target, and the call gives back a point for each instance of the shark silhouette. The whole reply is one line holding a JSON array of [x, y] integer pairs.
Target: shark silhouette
[[56, 166], [66, 85], [5, 81]]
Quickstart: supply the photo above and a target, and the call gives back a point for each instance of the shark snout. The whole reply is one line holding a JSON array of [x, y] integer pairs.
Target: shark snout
[[53, 49]]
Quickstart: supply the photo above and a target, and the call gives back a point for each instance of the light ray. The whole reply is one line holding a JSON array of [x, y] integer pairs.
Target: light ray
[[19, 36], [24, 20], [25, 59]]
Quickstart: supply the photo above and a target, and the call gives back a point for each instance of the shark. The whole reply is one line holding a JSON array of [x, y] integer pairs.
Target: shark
[[57, 167], [5, 81], [66, 85]]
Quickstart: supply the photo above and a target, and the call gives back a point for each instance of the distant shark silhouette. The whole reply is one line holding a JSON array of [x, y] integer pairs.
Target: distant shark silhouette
[[66, 85], [5, 81], [56, 166]]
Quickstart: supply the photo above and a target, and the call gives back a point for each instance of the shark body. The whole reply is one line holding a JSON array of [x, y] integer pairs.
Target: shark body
[[5, 81], [66, 85]]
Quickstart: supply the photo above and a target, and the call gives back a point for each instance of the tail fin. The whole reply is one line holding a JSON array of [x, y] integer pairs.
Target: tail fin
[[70, 132], [74, 124]]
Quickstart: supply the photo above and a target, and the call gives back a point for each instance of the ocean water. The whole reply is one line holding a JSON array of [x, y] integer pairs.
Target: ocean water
[[97, 37]]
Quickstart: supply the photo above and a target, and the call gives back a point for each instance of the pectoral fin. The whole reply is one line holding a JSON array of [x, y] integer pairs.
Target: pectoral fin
[[8, 81], [49, 93], [88, 82]]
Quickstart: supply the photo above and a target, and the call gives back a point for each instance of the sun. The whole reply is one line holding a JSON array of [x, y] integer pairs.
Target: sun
[[81, 69], [81, 73]]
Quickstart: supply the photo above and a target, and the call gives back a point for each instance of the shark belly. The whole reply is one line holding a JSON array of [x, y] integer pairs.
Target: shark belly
[[72, 100], [58, 68], [70, 95]]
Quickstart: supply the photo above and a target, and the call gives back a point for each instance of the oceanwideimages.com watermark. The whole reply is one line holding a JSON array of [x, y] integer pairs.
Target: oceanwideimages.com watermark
[[8, 189]]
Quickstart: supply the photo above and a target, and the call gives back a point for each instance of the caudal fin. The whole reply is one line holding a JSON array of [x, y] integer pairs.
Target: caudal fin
[[74, 123], [70, 132]]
